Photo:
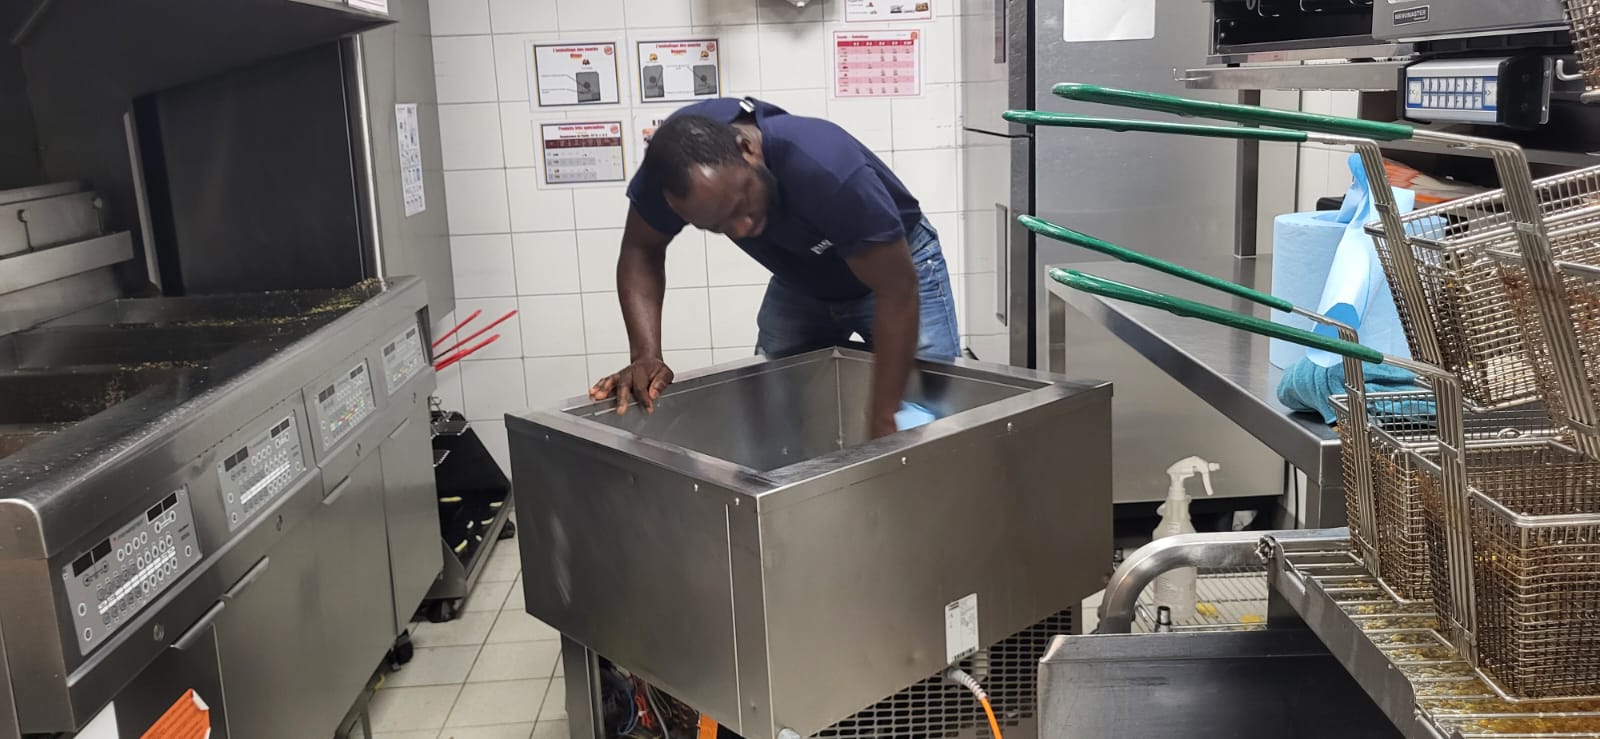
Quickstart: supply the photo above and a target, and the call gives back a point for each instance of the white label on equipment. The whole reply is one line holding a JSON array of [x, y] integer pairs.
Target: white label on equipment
[[961, 629]]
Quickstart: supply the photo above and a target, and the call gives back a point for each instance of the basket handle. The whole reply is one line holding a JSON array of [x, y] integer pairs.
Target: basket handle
[[1069, 120], [1234, 112], [1062, 233], [1190, 309]]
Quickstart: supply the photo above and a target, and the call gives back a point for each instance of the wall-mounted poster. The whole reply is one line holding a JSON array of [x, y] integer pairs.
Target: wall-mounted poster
[[644, 126], [877, 63], [869, 11], [583, 153], [573, 74], [676, 71]]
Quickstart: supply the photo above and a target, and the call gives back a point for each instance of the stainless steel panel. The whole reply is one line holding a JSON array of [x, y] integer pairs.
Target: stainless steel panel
[[994, 36], [1212, 685], [731, 511], [168, 679], [45, 222], [1164, 195], [27, 308], [397, 61], [411, 510], [1416, 20], [1156, 420], [271, 645], [22, 271], [355, 599], [8, 706]]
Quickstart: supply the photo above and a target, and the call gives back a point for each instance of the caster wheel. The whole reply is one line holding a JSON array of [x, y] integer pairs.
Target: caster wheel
[[508, 531], [402, 652], [443, 610]]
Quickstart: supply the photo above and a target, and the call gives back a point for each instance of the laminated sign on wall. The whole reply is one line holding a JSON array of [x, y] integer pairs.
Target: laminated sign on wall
[[644, 127], [410, 138], [877, 63], [1098, 20], [674, 71], [865, 11], [573, 74], [582, 153]]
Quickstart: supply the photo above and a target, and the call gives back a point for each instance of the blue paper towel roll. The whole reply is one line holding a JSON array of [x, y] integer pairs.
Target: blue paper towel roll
[[1303, 245]]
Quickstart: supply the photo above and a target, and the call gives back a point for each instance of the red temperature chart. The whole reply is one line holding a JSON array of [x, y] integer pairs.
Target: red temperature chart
[[877, 63]]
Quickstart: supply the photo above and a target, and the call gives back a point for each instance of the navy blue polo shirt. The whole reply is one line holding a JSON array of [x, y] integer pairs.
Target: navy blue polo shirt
[[835, 197]]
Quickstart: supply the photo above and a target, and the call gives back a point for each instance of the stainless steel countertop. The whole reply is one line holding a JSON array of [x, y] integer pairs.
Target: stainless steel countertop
[[1226, 367]]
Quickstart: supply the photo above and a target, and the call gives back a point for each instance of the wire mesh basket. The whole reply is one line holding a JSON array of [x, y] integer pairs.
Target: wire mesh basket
[[1402, 425], [1583, 18], [1534, 517], [1577, 247], [1462, 297]]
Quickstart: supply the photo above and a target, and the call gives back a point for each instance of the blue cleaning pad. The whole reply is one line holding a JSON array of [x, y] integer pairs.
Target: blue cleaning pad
[[911, 416]]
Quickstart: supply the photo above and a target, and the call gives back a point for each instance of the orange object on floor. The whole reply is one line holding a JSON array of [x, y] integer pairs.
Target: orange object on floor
[[708, 727], [189, 718]]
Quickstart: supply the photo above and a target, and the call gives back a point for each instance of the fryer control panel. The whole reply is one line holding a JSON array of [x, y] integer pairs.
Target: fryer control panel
[[344, 403], [117, 577], [403, 357], [259, 472]]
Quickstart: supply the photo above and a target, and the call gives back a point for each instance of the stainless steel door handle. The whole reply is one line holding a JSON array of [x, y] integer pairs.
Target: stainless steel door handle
[[248, 579], [338, 492], [1002, 270], [1001, 8], [199, 628]]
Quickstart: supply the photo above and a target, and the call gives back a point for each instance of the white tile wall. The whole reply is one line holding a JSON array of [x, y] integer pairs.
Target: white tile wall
[[551, 253]]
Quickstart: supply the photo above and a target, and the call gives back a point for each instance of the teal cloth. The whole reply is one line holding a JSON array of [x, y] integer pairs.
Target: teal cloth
[[1306, 386]]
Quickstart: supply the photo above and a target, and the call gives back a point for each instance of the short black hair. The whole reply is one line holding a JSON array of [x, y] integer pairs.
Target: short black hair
[[685, 142]]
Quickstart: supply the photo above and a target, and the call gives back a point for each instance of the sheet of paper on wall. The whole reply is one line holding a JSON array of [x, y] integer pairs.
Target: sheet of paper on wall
[[644, 126], [676, 71], [564, 75], [409, 136], [583, 153], [376, 6], [873, 11], [877, 63], [1099, 20]]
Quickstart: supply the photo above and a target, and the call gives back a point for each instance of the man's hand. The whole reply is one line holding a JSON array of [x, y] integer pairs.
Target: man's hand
[[879, 426], [640, 382]]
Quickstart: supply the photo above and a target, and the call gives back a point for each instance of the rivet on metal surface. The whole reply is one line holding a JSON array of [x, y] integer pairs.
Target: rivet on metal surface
[[1010, 427], [358, 450], [280, 522], [159, 632], [902, 460], [697, 487]]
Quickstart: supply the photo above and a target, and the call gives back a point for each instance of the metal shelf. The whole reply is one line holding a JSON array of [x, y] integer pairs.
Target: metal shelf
[[1536, 156], [1392, 650], [1376, 76]]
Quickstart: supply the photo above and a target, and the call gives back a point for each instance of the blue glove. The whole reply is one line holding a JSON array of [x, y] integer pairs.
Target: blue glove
[[911, 416]]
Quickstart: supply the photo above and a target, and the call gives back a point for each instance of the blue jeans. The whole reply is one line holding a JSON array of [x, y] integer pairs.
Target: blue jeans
[[793, 322]]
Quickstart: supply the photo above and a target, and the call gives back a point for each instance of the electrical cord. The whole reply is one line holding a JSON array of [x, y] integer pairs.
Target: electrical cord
[[661, 716], [960, 677]]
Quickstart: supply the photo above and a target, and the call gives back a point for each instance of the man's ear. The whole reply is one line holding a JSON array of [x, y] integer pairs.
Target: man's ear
[[750, 148]]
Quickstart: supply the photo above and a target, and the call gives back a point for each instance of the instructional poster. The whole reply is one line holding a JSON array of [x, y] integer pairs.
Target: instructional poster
[[644, 127], [573, 74], [867, 11], [675, 71], [583, 153], [410, 138], [877, 63]]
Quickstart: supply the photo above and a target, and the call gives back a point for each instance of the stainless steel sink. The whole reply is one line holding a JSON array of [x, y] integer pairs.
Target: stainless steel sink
[[224, 310]]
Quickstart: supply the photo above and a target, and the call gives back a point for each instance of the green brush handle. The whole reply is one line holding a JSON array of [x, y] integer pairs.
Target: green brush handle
[[1069, 120], [1232, 112], [1060, 233], [1189, 308]]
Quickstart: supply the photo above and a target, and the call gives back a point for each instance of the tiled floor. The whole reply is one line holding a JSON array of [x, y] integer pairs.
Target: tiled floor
[[493, 673]]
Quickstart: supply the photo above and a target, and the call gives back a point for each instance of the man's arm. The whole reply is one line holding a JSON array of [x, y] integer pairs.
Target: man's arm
[[641, 285], [888, 271]]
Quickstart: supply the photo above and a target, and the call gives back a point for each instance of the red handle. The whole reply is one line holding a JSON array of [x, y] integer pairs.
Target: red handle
[[478, 333], [464, 353], [458, 327]]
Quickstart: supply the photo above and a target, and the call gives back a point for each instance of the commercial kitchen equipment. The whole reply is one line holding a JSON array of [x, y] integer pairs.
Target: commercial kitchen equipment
[[1174, 198], [747, 549], [213, 439]]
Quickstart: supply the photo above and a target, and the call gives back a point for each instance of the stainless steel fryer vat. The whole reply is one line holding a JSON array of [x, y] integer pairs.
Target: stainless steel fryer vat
[[747, 549]]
